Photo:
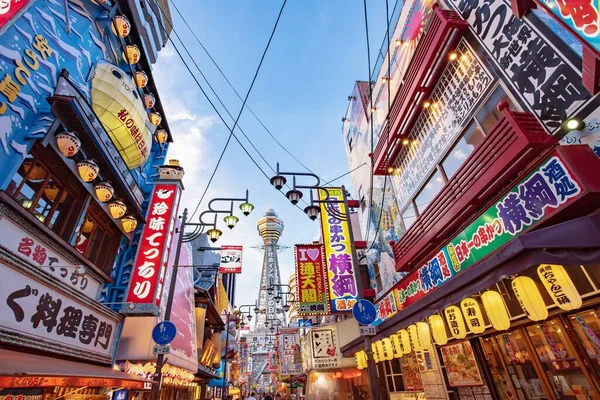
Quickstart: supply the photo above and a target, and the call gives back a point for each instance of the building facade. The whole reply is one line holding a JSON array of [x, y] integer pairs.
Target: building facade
[[82, 131], [478, 118]]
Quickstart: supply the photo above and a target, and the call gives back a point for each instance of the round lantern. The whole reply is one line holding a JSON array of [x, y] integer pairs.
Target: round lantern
[[117, 209], [68, 143], [559, 286], [121, 26], [155, 118], [530, 299], [51, 191], [104, 191], [424, 335], [404, 340], [415, 344], [88, 170], [87, 226], [455, 322], [388, 351], [438, 329], [149, 100], [375, 352], [36, 173], [129, 223], [141, 79], [495, 309], [132, 54], [473, 315], [161, 136], [396, 349]]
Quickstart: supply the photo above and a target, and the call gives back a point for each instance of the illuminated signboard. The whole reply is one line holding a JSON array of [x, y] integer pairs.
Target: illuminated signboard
[[313, 294]]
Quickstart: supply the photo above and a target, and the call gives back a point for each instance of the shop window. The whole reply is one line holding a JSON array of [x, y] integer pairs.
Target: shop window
[[409, 216], [587, 325], [429, 191], [489, 113], [558, 361], [98, 239], [41, 191], [472, 138], [393, 375], [500, 376]]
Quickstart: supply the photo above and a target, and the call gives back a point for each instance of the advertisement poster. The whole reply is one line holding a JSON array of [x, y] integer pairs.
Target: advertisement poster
[[343, 291], [290, 354], [231, 259], [325, 349], [411, 372], [461, 366], [313, 294], [550, 187]]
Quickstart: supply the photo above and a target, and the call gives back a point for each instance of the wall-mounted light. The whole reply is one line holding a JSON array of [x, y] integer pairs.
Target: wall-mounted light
[[129, 223], [398, 42], [426, 104], [68, 143], [161, 136], [573, 124], [104, 191], [155, 118], [117, 209], [132, 54], [88, 170], [141, 79], [149, 100], [405, 142], [121, 26], [453, 56]]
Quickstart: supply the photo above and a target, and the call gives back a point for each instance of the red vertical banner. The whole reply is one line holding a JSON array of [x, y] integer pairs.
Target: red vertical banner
[[154, 246], [9, 9], [313, 292]]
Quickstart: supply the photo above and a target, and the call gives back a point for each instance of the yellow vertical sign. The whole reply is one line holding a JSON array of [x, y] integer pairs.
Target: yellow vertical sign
[[338, 250]]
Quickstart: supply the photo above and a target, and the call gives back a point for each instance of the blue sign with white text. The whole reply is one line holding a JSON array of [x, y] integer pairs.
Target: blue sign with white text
[[364, 312], [164, 332]]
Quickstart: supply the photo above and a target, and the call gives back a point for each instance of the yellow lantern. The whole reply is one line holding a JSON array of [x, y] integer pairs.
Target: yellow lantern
[[415, 343], [404, 340], [104, 191], [51, 191], [495, 309], [121, 26], [68, 143], [396, 348], [129, 223], [380, 350], [361, 359], [388, 352], [87, 226], [424, 335], [117, 209], [132, 54], [141, 79], [473, 315], [530, 299], [438, 329], [375, 352], [455, 322], [149, 100], [155, 118], [36, 173], [559, 286], [161, 136], [88, 170]]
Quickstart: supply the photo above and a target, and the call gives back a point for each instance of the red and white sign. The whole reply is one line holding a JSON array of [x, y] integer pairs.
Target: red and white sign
[[10, 8], [154, 246], [231, 259]]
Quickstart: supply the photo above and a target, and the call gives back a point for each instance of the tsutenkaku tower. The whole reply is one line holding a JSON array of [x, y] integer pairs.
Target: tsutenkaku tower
[[270, 228]]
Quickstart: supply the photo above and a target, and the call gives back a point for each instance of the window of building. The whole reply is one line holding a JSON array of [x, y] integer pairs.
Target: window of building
[[429, 191], [349, 143], [472, 138], [409, 216], [393, 374]]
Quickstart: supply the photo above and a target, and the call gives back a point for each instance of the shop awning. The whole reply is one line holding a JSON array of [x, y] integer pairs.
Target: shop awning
[[574, 242], [29, 370]]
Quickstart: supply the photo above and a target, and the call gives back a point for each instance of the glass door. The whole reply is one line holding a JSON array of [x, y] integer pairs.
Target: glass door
[[500, 376]]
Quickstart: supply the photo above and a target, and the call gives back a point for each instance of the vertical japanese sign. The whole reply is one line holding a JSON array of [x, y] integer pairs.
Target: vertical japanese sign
[[325, 349], [290, 354], [547, 189], [581, 16], [231, 260], [313, 294], [343, 291], [154, 246]]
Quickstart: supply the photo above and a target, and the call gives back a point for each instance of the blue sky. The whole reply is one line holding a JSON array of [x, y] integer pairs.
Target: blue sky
[[318, 52]]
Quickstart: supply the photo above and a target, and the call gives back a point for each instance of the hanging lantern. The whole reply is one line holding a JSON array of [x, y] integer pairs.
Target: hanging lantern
[[88, 170], [214, 234], [530, 299], [51, 191], [129, 223], [68, 143], [104, 191], [149, 100], [404, 340], [455, 322], [155, 118], [495, 309], [396, 349], [36, 173], [132, 54], [415, 344], [161, 136], [438, 329], [388, 352], [361, 359], [141, 79], [117, 209], [375, 352], [380, 350], [473, 315], [559, 286], [121, 26], [424, 335], [87, 226]]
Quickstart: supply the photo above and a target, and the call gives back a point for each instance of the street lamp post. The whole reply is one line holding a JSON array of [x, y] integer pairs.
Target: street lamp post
[[312, 211], [214, 235]]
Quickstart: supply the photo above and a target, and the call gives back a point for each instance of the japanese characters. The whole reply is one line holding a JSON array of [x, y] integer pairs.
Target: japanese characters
[[312, 286]]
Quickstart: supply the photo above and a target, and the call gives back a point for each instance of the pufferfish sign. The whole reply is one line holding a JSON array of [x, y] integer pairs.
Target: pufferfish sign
[[117, 104]]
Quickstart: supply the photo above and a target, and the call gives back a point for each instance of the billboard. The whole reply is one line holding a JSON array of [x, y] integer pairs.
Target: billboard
[[231, 259], [312, 292], [290, 357]]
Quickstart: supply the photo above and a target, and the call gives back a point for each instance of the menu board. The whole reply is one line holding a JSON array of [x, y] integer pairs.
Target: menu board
[[411, 372], [461, 366]]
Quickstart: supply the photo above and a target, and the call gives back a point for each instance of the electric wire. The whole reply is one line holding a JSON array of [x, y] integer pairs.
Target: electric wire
[[236, 92], [343, 175]]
